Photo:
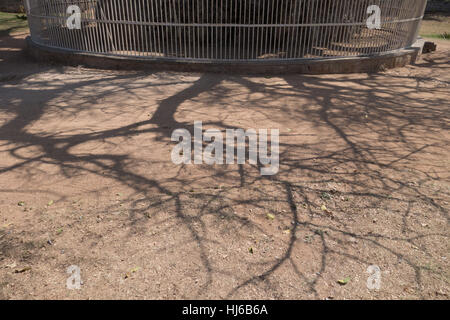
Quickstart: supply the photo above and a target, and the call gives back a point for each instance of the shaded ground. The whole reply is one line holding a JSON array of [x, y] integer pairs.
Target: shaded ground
[[86, 154]]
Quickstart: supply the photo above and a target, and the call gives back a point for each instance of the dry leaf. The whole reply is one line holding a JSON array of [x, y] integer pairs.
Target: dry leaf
[[325, 209], [344, 281], [22, 270], [128, 274]]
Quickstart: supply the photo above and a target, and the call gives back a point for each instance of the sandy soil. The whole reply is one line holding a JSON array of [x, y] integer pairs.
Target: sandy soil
[[86, 179]]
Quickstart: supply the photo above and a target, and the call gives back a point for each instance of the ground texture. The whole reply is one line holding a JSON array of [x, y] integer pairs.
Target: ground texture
[[86, 179]]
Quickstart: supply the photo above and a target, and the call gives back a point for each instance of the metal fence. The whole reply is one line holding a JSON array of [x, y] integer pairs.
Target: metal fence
[[226, 30]]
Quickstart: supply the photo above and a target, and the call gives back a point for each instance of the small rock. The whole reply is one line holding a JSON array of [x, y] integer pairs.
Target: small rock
[[429, 47]]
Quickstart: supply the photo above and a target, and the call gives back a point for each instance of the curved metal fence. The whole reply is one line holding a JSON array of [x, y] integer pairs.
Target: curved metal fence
[[226, 30]]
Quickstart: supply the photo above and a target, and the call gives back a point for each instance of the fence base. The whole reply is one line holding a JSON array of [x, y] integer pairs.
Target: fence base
[[361, 64]]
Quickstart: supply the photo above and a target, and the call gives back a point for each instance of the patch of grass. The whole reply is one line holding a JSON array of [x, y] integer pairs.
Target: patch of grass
[[12, 23], [436, 25], [444, 36]]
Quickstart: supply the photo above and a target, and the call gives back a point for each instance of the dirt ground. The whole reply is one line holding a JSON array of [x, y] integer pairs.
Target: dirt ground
[[436, 25], [86, 179]]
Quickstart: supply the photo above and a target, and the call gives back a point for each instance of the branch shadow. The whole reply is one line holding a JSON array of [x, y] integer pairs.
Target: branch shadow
[[376, 137]]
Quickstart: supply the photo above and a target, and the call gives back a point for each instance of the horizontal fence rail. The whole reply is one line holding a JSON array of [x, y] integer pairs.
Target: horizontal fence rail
[[226, 30]]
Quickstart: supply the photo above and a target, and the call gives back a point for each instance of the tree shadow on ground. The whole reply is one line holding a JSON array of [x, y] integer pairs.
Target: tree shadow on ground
[[373, 141]]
